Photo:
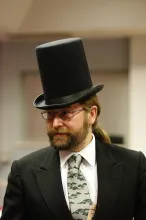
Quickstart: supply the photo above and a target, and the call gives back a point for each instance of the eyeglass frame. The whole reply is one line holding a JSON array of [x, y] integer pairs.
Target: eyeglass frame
[[61, 117]]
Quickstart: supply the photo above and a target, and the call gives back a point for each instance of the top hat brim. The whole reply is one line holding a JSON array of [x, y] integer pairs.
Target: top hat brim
[[61, 102]]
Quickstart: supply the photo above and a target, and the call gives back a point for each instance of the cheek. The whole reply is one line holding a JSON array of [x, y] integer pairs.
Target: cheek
[[48, 126], [79, 123]]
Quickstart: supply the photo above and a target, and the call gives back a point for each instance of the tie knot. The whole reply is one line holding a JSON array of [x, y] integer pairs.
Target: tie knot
[[75, 161]]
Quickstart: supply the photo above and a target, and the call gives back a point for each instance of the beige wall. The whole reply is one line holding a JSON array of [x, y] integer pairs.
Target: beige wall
[[137, 94]]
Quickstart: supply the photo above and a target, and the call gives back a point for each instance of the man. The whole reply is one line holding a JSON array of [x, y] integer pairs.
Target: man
[[81, 175]]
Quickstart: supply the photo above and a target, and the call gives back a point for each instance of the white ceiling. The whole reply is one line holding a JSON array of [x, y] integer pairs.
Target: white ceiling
[[84, 18]]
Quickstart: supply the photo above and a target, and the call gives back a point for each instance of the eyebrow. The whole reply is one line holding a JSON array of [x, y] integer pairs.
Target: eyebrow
[[64, 109], [58, 110]]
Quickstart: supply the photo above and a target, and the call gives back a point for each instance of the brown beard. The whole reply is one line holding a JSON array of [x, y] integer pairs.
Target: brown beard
[[70, 140]]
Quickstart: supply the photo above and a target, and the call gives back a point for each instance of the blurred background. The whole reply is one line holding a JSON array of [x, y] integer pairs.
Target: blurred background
[[114, 36]]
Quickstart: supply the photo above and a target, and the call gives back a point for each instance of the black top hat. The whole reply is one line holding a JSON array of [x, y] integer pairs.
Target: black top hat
[[64, 74]]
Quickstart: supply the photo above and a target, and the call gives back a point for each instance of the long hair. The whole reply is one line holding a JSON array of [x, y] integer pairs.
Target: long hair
[[97, 130]]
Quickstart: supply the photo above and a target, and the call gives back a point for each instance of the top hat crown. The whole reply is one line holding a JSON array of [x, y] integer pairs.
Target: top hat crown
[[64, 74]]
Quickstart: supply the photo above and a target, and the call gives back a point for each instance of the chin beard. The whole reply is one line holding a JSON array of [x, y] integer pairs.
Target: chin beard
[[68, 143]]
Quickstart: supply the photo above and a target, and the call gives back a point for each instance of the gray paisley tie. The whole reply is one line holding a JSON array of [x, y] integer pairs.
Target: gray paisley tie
[[78, 193]]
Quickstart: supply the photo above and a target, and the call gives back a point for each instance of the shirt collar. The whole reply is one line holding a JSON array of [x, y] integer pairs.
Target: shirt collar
[[88, 153]]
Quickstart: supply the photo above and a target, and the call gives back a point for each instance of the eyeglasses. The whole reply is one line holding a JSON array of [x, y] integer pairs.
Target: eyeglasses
[[64, 115]]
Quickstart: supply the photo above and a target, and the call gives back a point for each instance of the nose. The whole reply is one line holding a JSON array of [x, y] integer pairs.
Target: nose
[[57, 122]]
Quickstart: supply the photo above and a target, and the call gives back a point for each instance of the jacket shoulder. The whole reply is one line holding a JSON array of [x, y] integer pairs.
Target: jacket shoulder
[[37, 157], [120, 153]]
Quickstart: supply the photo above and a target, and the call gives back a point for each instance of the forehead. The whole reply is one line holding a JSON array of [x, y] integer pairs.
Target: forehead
[[69, 108]]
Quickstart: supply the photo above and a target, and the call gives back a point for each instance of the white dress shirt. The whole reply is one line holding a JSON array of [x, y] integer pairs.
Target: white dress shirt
[[88, 168]]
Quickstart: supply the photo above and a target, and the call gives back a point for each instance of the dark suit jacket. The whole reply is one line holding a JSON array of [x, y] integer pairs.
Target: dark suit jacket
[[35, 192]]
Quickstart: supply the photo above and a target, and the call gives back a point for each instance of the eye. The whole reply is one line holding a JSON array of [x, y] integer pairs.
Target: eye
[[65, 114], [50, 115]]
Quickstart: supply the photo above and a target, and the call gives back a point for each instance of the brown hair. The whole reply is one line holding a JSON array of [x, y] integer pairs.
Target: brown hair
[[97, 130]]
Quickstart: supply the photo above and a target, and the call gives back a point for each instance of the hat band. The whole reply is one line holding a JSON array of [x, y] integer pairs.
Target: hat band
[[66, 99]]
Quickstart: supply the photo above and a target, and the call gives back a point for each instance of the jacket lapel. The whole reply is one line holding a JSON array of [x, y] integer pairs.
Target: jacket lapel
[[109, 174], [48, 178]]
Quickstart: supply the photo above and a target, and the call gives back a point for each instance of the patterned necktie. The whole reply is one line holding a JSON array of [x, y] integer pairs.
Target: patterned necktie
[[78, 193]]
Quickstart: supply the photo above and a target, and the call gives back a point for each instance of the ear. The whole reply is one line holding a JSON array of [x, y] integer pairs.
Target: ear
[[92, 114]]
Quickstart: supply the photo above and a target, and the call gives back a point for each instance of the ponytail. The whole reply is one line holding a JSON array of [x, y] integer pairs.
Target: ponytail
[[97, 130], [101, 134]]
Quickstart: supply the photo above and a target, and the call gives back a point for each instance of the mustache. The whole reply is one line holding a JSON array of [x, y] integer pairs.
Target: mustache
[[59, 130]]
